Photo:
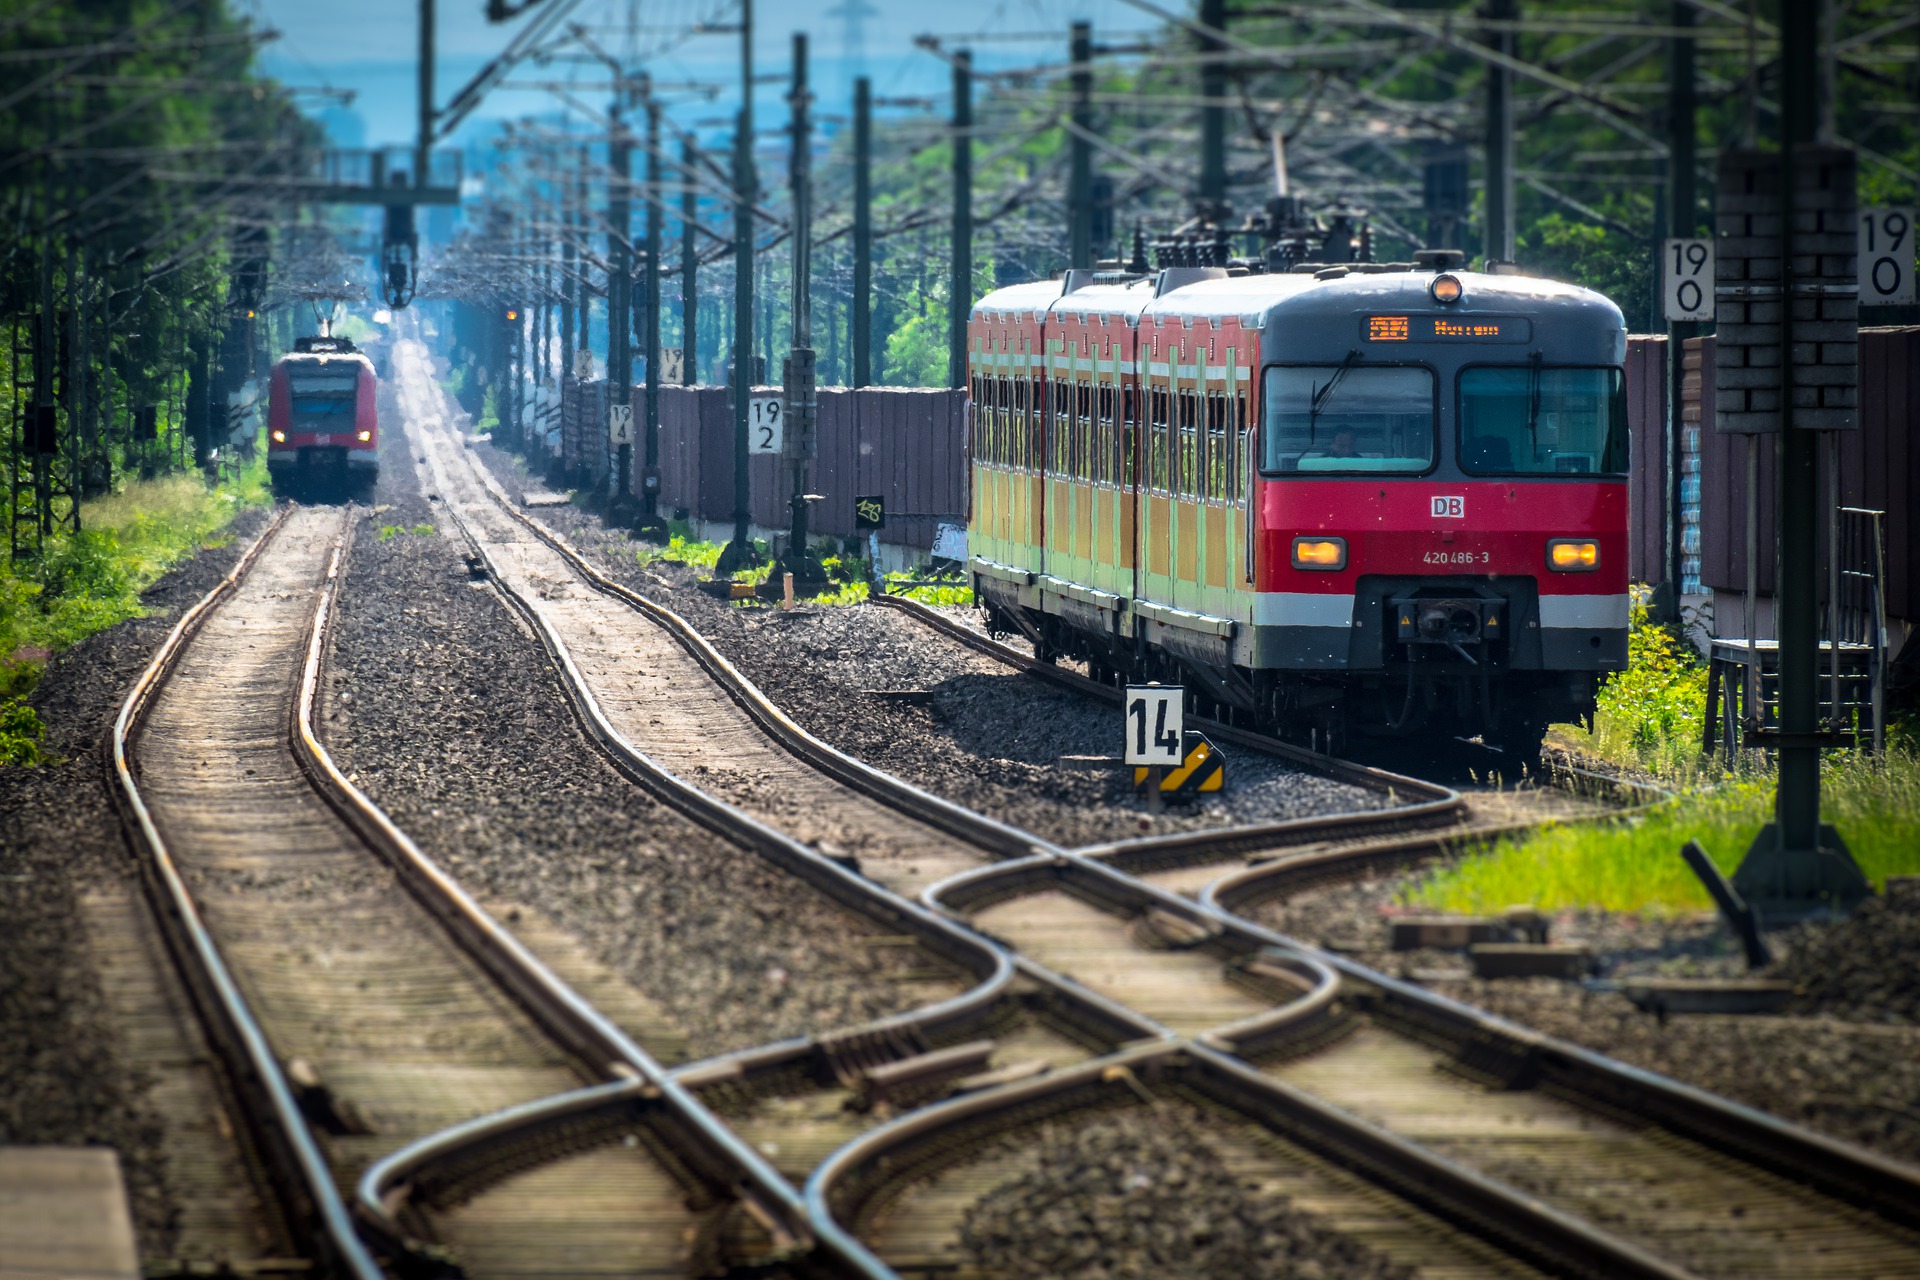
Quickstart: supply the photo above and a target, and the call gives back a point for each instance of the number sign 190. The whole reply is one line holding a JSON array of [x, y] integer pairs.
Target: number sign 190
[[1156, 724], [1687, 273], [766, 425], [1886, 256]]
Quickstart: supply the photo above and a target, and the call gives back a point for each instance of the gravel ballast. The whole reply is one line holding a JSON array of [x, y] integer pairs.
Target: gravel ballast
[[451, 717], [1822, 1070], [969, 729], [1149, 1196], [66, 1077], [1844, 1058]]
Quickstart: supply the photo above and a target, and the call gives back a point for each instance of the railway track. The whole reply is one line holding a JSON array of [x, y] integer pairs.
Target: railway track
[[1299, 1008], [361, 1001]]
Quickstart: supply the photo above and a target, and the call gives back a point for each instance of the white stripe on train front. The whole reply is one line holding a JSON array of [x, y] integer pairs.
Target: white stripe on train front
[[1301, 609], [1584, 613]]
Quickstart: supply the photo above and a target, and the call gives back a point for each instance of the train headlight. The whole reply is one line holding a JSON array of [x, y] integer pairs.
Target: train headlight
[[365, 436], [1319, 553], [1445, 289], [279, 437], [1573, 555]]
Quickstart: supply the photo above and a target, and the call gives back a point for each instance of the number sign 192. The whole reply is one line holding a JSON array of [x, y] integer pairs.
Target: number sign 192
[[1687, 274], [766, 425], [1886, 256], [1156, 724]]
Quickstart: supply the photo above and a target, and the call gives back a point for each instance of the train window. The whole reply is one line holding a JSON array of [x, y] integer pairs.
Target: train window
[[322, 398], [1129, 434], [1037, 431], [1187, 463], [989, 417], [1539, 420], [1218, 452], [1083, 434], [1157, 438], [1349, 417], [1242, 442], [1016, 433], [1107, 447]]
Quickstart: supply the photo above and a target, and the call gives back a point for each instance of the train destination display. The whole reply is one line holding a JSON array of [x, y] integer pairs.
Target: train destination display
[[1412, 328]]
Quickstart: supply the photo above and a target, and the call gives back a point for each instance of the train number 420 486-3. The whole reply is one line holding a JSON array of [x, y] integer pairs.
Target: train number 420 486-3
[[1456, 557]]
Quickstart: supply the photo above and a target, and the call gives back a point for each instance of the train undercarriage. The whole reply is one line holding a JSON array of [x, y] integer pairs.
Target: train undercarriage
[[1448, 679]]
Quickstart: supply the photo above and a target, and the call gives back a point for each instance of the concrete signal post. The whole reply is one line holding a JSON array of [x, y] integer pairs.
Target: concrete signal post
[[740, 552], [1786, 349], [802, 407]]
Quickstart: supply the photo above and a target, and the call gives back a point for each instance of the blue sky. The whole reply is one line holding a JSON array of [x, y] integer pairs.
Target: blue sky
[[369, 46]]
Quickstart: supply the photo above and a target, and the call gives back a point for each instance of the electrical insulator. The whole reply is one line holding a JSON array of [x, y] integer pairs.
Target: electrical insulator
[[399, 253]]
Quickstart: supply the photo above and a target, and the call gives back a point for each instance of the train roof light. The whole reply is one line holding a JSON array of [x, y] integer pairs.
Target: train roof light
[[1445, 289]]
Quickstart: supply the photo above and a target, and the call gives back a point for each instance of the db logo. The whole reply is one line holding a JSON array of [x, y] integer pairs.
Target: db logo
[[1450, 508]]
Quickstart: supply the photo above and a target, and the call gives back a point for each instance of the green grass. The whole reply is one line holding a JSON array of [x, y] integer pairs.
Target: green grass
[[1649, 719], [389, 531], [1634, 865], [489, 414], [1649, 716], [88, 581], [681, 549], [850, 572]]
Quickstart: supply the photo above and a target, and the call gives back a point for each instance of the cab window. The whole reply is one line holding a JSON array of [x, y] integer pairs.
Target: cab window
[[1349, 417], [1542, 420]]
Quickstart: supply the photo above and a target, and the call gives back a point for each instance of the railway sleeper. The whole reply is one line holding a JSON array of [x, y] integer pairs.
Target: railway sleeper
[[921, 1078]]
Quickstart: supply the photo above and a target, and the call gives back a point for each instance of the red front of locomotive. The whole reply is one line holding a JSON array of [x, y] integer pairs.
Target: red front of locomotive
[[322, 413], [1441, 523]]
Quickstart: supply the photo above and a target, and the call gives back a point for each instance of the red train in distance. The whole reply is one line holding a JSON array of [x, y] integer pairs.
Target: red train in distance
[[1362, 499], [322, 422]]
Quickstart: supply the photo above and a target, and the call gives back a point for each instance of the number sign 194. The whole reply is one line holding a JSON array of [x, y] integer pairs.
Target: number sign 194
[[766, 425], [1687, 275], [1156, 724], [1886, 256]]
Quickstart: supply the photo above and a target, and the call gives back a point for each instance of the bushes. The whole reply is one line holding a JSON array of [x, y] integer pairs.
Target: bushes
[[1650, 715], [87, 582], [1636, 866], [1650, 718]]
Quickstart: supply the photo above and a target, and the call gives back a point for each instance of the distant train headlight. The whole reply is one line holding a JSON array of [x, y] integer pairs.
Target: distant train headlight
[[1445, 289], [1319, 553], [365, 436], [279, 437], [1572, 555]]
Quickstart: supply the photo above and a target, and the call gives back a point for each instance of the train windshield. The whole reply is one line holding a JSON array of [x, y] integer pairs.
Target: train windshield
[[1349, 417], [323, 398], [1539, 420]]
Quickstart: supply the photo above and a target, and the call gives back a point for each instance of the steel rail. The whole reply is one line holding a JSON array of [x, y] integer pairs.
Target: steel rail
[[1891, 1189], [1517, 1224], [303, 1183], [1434, 803], [994, 968], [1444, 805], [1882, 1186], [1001, 839], [561, 1011], [1517, 1216]]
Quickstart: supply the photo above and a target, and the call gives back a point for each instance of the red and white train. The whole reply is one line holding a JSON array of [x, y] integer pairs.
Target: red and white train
[[1375, 498], [322, 420]]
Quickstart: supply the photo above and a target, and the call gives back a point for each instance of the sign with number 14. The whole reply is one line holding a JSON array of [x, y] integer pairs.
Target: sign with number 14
[[1156, 724]]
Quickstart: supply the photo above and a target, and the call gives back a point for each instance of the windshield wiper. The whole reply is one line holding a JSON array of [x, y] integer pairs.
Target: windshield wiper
[[1322, 394], [1533, 403]]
